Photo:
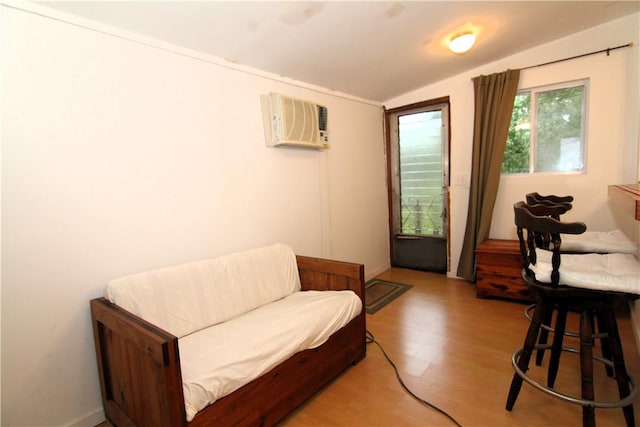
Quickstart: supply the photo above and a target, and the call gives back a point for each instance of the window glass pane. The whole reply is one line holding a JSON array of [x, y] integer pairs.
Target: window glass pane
[[547, 124], [420, 146], [559, 139], [516, 156]]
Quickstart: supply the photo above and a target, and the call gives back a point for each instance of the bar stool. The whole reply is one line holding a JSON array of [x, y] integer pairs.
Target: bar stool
[[551, 206], [614, 241], [573, 289]]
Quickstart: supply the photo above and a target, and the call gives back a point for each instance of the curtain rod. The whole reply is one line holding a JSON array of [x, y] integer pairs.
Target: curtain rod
[[607, 50]]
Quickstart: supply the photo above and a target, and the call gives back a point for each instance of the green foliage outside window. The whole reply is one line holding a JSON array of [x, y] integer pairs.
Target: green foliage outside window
[[516, 155], [559, 127], [557, 133]]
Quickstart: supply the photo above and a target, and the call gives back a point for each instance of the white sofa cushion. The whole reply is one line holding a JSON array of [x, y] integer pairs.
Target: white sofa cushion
[[218, 360], [189, 297], [607, 272]]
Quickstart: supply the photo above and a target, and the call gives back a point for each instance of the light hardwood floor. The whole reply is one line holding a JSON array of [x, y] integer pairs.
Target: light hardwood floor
[[454, 350]]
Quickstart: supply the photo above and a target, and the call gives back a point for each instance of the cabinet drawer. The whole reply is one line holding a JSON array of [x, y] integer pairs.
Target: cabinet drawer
[[499, 270], [510, 260], [504, 287]]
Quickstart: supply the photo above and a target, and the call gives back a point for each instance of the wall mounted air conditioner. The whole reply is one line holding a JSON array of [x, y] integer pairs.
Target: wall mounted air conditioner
[[294, 122]]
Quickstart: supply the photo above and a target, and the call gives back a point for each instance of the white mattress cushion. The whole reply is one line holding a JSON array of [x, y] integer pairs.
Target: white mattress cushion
[[218, 360], [189, 297], [607, 272], [614, 241]]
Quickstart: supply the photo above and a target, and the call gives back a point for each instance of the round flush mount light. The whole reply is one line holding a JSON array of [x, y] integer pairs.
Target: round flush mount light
[[462, 42]]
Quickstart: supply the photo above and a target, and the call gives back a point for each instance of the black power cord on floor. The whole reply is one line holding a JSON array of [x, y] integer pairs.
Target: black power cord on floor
[[371, 340]]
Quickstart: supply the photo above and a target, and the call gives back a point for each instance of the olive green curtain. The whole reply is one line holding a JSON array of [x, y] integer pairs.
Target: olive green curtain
[[494, 98]]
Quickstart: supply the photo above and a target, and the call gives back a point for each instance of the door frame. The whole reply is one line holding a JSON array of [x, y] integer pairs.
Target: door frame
[[387, 145]]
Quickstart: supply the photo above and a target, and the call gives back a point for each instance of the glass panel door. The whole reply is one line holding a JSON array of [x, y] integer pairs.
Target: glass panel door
[[419, 154]]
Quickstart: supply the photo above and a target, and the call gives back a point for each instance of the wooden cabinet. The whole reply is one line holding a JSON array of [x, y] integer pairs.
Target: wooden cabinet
[[499, 269], [628, 197]]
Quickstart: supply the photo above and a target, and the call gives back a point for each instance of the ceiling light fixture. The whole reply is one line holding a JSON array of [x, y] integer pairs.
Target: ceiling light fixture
[[462, 42]]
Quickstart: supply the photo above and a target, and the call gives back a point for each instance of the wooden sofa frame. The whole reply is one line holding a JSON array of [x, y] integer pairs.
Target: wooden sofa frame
[[141, 380]]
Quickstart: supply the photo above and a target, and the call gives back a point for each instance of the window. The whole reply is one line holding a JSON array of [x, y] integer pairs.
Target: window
[[547, 130]]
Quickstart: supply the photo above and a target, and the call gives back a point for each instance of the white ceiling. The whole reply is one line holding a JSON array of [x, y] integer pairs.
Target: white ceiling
[[371, 49]]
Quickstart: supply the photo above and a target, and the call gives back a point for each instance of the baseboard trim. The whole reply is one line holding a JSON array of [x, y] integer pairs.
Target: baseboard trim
[[371, 273], [90, 420]]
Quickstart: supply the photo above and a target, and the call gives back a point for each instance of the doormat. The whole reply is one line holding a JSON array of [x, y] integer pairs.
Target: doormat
[[378, 293]]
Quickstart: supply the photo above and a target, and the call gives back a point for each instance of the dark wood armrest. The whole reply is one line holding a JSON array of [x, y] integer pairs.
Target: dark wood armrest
[[323, 274], [139, 368], [554, 211]]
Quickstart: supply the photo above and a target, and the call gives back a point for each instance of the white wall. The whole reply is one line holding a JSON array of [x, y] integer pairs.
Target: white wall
[[118, 157], [635, 306], [612, 135]]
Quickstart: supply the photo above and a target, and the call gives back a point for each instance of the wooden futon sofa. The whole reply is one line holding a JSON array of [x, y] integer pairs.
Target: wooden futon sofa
[[140, 363]]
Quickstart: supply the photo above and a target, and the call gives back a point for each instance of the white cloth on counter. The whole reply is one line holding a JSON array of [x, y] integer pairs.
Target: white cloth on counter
[[614, 241]]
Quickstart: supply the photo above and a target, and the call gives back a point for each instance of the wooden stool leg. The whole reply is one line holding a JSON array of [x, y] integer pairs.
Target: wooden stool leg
[[620, 370], [604, 342], [529, 344], [556, 350], [586, 367], [544, 335]]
